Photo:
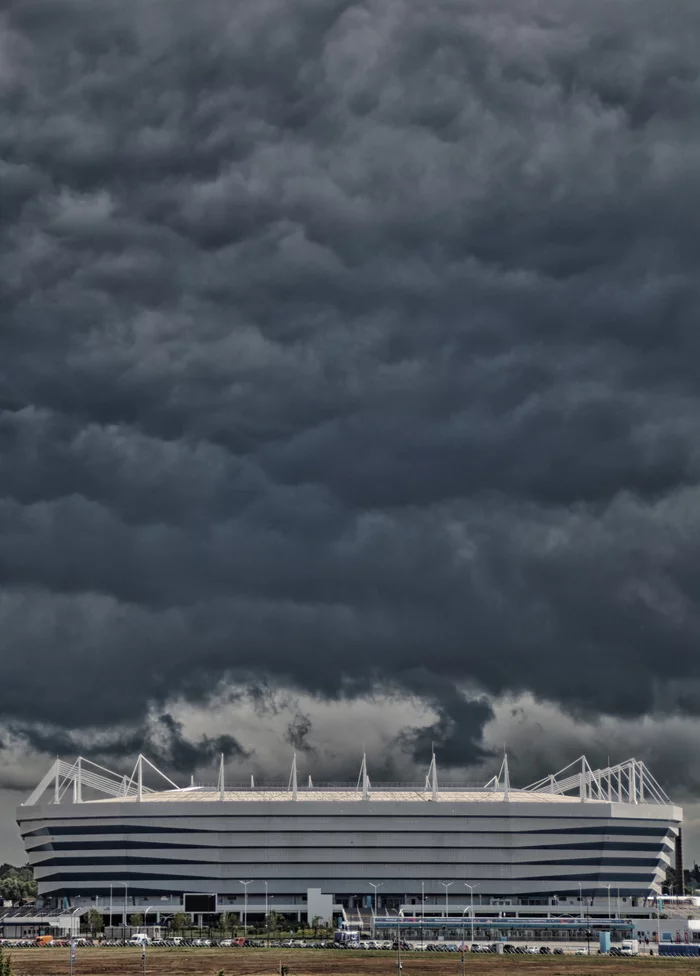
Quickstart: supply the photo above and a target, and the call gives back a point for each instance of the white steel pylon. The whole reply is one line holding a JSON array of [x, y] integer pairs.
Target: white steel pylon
[[293, 778], [221, 784], [505, 772], [363, 779], [431, 780]]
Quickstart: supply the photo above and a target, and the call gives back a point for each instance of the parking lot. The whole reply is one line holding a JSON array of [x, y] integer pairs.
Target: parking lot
[[210, 961], [297, 945]]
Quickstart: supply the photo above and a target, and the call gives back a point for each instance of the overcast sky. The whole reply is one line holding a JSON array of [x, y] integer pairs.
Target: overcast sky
[[349, 385]]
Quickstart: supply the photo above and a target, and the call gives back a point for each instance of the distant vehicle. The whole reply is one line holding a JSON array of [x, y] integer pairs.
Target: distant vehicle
[[43, 940], [140, 939], [629, 947]]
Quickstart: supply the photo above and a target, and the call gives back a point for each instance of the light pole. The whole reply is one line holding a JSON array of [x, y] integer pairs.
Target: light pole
[[245, 907], [588, 927], [111, 918], [267, 924], [145, 918], [464, 948], [374, 918], [580, 900], [609, 908], [398, 941], [422, 910], [72, 940], [143, 947], [446, 885], [471, 892], [126, 892]]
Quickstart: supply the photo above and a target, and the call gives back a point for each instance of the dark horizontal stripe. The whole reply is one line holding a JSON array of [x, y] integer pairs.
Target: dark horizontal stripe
[[643, 862], [429, 813], [399, 858], [654, 829], [324, 882], [115, 845], [93, 829], [601, 879]]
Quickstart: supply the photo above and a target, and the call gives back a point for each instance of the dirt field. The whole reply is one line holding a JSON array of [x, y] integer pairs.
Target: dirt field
[[266, 962]]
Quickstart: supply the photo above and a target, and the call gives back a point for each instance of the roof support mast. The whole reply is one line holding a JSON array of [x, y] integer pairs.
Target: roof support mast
[[431, 780], [293, 778], [221, 784], [364, 779]]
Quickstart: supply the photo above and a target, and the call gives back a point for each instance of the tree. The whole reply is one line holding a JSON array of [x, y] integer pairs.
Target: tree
[[228, 922], [5, 964], [17, 884], [274, 921], [136, 921], [315, 923], [94, 921], [179, 922]]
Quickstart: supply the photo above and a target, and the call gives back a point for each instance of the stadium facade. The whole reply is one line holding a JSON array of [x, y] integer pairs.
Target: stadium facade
[[93, 837]]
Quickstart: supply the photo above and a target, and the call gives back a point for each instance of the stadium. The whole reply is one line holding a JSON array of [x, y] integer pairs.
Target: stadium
[[601, 838]]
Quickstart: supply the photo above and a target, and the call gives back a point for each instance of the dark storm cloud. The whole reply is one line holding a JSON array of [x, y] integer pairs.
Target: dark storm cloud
[[298, 732], [348, 346], [163, 739]]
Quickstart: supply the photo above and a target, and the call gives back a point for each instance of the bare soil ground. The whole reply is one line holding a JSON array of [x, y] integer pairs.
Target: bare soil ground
[[266, 962]]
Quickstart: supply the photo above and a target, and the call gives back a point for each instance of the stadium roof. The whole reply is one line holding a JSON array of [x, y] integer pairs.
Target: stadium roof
[[626, 782], [243, 795]]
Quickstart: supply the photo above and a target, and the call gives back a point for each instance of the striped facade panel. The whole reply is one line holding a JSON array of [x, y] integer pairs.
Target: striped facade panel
[[510, 849]]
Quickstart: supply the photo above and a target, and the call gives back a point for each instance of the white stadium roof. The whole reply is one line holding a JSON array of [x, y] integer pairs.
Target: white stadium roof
[[85, 782], [343, 796]]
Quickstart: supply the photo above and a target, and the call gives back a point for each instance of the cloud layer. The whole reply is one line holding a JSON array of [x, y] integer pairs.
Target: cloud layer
[[347, 347]]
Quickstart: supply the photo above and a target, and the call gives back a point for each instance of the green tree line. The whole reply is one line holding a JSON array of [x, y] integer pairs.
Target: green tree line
[[16, 884]]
